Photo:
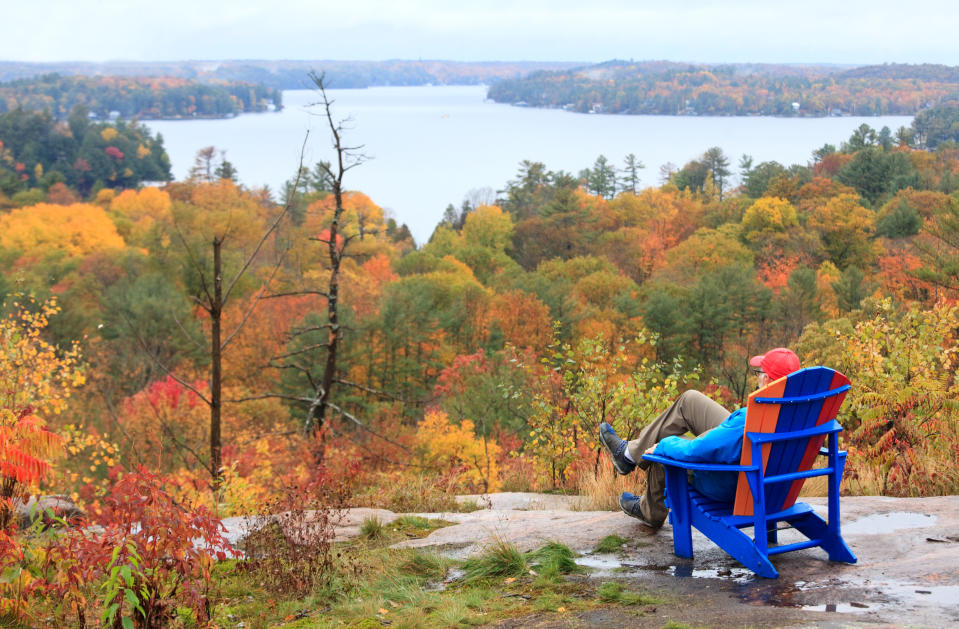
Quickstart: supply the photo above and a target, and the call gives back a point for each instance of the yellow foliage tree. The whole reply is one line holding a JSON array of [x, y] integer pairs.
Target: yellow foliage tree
[[447, 447], [768, 216], [35, 381], [137, 210], [78, 229]]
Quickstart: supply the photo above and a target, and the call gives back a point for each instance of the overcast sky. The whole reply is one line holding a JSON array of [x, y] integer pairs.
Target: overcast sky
[[833, 31]]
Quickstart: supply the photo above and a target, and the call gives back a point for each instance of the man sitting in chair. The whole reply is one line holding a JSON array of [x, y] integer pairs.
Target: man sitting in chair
[[719, 439]]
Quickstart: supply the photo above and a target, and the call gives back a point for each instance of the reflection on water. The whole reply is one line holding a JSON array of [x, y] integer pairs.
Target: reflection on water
[[841, 608]]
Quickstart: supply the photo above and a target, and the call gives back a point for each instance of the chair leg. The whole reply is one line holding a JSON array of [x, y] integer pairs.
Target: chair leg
[[772, 534], [677, 492], [738, 544], [814, 527]]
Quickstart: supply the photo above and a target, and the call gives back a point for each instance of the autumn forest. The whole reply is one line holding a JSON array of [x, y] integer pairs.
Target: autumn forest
[[243, 349]]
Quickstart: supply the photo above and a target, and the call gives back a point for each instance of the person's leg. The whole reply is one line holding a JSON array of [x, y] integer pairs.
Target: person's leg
[[691, 412]]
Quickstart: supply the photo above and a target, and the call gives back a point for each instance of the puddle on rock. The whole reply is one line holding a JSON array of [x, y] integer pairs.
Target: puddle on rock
[[600, 564], [608, 565], [453, 574], [881, 523], [687, 571], [839, 608], [938, 595]]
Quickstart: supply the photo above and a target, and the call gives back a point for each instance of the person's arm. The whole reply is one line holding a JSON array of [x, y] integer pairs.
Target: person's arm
[[722, 444]]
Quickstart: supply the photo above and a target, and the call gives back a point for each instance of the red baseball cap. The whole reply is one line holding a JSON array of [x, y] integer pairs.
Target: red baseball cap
[[776, 363]]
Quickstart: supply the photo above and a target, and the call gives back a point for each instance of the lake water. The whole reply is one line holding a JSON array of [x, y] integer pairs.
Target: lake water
[[431, 146]]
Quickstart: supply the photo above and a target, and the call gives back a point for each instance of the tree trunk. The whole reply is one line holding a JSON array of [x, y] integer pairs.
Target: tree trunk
[[216, 363]]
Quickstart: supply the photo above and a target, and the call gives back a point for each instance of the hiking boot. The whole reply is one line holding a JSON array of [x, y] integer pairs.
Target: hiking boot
[[631, 506], [616, 448]]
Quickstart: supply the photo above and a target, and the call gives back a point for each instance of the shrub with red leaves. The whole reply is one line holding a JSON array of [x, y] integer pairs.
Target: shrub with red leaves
[[290, 550], [154, 554]]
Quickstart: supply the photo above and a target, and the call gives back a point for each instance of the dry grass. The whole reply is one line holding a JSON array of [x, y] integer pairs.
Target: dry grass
[[817, 486], [411, 493], [600, 492]]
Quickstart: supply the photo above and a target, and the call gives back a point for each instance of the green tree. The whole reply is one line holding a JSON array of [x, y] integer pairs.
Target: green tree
[[717, 163], [756, 180], [601, 178], [630, 179], [851, 288], [798, 302], [899, 221]]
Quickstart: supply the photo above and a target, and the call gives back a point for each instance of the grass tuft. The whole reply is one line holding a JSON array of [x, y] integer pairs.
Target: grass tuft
[[610, 544], [612, 592], [501, 560], [424, 565], [372, 528], [555, 557], [413, 522]]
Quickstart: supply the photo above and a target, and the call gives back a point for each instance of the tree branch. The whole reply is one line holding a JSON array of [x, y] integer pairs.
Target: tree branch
[[166, 369], [356, 421], [273, 225], [379, 392], [249, 310], [196, 265], [297, 293]]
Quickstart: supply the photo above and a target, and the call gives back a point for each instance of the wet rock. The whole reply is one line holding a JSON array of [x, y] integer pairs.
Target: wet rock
[[36, 508]]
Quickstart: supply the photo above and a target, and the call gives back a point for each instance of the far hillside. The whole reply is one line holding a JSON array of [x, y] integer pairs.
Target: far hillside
[[145, 98], [667, 88], [292, 75]]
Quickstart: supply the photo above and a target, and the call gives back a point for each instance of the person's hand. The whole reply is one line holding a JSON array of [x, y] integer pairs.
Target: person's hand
[[650, 449]]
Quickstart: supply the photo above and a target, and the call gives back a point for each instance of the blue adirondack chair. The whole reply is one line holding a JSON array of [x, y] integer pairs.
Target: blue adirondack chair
[[786, 424]]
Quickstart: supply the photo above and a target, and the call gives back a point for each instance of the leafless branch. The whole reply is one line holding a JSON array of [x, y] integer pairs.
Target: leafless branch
[[269, 396], [196, 265], [356, 421], [166, 369], [273, 225], [249, 311], [187, 334], [303, 350], [313, 328], [379, 392], [298, 293]]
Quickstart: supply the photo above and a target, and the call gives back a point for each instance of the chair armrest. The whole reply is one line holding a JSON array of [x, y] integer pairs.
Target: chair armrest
[[824, 451], [707, 467], [816, 431]]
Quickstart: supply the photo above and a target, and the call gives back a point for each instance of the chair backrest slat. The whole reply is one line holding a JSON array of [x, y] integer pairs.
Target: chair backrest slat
[[805, 408]]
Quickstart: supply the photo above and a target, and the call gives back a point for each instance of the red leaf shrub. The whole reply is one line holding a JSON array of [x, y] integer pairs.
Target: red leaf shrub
[[152, 550]]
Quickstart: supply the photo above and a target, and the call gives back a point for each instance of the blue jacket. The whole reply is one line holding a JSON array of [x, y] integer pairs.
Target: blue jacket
[[722, 444]]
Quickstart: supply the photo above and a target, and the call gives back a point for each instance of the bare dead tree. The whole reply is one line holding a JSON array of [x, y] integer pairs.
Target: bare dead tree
[[318, 363], [345, 159], [214, 295]]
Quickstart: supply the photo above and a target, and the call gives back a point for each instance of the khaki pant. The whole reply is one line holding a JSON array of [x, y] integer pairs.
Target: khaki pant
[[691, 412]]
